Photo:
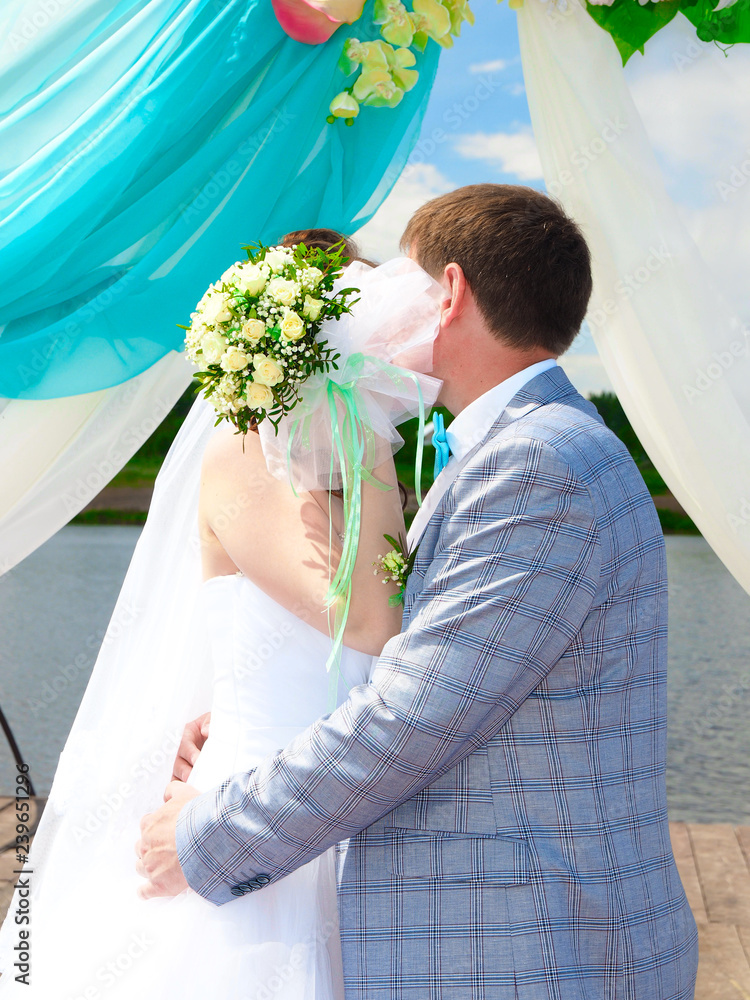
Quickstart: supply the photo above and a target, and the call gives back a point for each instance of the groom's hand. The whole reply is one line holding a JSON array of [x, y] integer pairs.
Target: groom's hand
[[194, 735], [157, 849]]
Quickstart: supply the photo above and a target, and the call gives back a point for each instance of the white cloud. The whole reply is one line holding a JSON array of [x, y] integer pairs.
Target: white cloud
[[692, 98], [515, 89], [509, 152], [493, 66], [379, 238]]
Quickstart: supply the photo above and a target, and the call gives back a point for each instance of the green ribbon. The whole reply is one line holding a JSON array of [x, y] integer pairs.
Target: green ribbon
[[354, 448]]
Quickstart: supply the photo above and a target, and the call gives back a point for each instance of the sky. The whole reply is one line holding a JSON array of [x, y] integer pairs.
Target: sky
[[693, 100]]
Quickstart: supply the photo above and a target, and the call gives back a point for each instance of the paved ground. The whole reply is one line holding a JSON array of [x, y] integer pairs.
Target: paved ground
[[714, 863]]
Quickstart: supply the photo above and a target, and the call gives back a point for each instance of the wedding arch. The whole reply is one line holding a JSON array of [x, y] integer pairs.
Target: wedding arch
[[139, 138]]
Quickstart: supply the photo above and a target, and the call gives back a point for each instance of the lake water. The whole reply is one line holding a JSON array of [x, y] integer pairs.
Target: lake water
[[54, 609]]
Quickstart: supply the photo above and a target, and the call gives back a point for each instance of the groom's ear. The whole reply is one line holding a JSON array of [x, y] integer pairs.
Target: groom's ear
[[457, 294]]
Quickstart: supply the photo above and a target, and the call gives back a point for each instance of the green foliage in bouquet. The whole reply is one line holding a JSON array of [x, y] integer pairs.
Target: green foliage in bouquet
[[254, 334]]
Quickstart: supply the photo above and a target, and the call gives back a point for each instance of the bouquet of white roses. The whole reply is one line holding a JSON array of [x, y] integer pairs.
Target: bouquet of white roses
[[253, 334]]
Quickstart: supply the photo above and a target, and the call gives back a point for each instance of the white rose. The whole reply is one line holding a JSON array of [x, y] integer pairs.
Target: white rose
[[229, 277], [283, 291], [259, 396], [292, 327], [253, 330], [251, 278], [277, 259], [212, 347], [235, 360], [267, 372], [216, 309], [311, 308], [204, 300], [313, 276]]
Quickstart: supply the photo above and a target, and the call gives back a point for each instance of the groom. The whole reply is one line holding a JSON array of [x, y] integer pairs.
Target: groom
[[502, 775]]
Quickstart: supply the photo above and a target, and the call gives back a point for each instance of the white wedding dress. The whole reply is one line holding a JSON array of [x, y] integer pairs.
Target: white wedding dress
[[269, 683], [173, 647]]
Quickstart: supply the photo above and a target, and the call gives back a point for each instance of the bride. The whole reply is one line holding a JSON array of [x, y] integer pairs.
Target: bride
[[224, 606]]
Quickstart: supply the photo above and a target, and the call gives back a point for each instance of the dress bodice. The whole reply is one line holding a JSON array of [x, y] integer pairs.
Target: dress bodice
[[269, 676]]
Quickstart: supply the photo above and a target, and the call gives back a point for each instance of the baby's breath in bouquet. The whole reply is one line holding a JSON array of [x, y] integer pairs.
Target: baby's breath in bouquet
[[254, 333]]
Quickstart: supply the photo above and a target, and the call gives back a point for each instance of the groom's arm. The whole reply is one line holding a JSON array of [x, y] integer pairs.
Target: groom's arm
[[513, 576]]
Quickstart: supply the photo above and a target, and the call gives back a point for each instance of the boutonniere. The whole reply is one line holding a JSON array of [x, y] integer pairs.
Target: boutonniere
[[396, 565]]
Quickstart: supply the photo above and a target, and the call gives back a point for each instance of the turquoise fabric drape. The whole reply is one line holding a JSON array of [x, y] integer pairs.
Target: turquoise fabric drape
[[141, 142]]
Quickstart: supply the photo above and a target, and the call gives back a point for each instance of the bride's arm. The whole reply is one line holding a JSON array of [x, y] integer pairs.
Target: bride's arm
[[252, 521], [371, 621]]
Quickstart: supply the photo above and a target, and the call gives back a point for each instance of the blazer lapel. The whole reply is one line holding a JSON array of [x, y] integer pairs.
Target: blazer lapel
[[551, 386]]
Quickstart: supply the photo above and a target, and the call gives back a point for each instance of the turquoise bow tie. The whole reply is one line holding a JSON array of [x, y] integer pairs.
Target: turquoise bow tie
[[440, 444]]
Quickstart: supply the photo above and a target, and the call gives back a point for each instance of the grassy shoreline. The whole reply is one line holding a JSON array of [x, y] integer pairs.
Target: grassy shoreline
[[139, 474]]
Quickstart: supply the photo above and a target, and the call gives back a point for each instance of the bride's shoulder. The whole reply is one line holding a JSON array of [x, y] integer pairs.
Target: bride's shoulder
[[226, 441], [231, 453]]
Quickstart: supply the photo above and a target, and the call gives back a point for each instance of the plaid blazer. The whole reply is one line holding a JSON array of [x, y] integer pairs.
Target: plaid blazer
[[502, 776]]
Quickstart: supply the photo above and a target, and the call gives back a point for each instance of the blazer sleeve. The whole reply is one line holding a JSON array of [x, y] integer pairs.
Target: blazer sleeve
[[513, 576]]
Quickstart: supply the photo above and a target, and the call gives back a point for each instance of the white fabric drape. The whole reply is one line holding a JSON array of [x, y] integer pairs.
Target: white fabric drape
[[676, 353], [57, 454]]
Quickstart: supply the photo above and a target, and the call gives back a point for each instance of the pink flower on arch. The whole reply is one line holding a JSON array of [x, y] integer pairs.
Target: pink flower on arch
[[314, 21]]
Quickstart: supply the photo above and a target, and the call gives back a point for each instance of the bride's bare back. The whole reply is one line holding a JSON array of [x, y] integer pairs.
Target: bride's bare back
[[288, 545]]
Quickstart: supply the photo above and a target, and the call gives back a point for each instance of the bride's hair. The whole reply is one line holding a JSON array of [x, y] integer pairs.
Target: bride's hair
[[325, 239]]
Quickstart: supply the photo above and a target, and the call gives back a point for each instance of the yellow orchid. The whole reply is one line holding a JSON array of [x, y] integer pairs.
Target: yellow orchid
[[397, 27], [459, 12], [344, 106], [387, 65], [405, 77], [379, 55], [377, 88], [431, 20], [356, 53]]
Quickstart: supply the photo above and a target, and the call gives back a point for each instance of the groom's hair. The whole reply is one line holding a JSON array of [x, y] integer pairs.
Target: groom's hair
[[526, 262]]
